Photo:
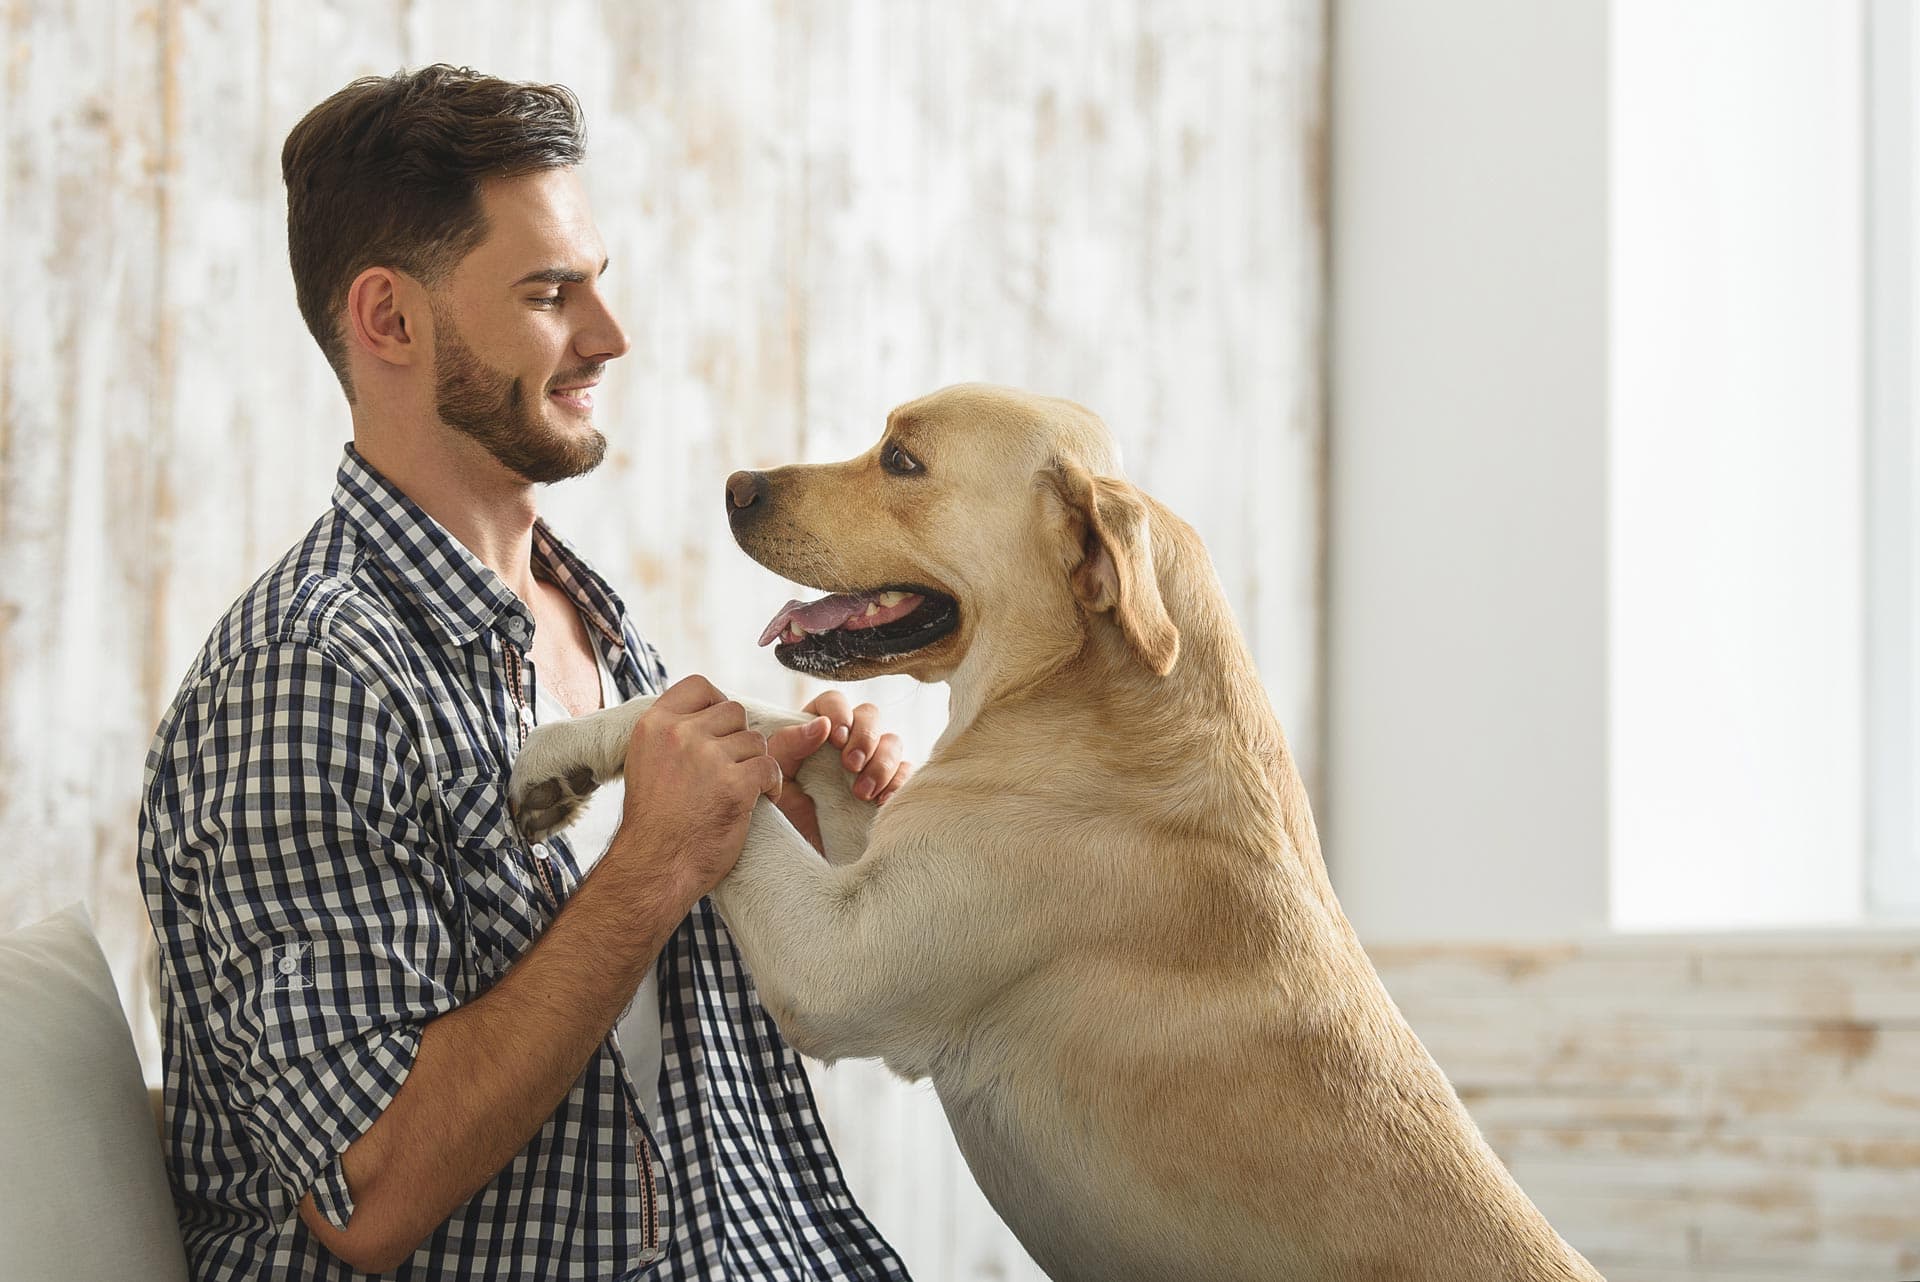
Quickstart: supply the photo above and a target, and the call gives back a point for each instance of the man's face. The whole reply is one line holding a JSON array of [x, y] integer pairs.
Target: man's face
[[522, 331]]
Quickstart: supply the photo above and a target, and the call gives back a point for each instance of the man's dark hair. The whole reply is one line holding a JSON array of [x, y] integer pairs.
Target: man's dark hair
[[387, 173]]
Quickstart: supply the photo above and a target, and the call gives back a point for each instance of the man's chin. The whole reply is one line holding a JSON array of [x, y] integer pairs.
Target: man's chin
[[565, 457]]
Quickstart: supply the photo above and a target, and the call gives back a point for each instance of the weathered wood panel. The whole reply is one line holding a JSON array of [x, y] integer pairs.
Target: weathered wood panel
[[814, 212], [1694, 1109]]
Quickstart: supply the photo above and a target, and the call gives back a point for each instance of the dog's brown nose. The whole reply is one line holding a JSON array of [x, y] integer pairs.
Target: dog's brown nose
[[744, 489]]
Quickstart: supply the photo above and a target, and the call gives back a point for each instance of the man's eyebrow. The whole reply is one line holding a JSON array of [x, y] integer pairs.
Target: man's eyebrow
[[557, 276]]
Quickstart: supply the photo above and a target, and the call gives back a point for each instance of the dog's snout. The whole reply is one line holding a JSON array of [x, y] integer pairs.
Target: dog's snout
[[744, 489]]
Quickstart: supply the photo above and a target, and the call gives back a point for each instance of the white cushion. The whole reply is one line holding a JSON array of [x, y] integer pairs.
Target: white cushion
[[83, 1189]]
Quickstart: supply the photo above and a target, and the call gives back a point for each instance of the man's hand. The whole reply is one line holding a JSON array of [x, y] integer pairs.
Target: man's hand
[[874, 757], [693, 772]]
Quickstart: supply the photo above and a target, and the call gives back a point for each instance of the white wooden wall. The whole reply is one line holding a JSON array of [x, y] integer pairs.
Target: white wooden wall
[[1735, 1109], [815, 211]]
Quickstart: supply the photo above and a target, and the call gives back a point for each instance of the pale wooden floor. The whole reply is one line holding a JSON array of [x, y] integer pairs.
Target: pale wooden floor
[[1738, 1109]]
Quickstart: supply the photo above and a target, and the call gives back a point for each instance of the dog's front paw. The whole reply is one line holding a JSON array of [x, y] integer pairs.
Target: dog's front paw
[[550, 784]]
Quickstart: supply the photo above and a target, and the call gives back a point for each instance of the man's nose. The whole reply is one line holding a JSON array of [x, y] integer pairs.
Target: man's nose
[[744, 489], [605, 339]]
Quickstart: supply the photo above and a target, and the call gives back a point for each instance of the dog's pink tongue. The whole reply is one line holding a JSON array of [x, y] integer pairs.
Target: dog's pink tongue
[[822, 616]]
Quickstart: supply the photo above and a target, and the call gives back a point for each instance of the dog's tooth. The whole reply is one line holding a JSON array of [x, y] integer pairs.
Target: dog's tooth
[[798, 632], [891, 599], [872, 609]]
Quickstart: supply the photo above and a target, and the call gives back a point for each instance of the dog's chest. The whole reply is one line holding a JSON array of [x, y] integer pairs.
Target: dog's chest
[[1072, 1205]]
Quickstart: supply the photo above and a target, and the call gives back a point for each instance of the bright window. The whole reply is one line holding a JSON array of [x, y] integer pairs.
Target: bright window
[[1738, 615], [1893, 481]]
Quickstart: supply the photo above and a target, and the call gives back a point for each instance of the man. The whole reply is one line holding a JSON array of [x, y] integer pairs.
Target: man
[[390, 1025]]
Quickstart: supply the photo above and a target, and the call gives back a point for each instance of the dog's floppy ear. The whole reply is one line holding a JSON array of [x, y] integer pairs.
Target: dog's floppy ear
[[1109, 556]]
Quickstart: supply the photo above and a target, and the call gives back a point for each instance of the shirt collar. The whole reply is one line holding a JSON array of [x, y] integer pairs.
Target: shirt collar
[[456, 592], [569, 572]]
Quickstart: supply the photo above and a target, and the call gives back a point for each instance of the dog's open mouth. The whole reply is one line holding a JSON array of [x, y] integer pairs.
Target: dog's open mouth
[[850, 626]]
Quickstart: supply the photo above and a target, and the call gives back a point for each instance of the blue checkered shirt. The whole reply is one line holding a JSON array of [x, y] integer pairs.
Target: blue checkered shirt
[[329, 865]]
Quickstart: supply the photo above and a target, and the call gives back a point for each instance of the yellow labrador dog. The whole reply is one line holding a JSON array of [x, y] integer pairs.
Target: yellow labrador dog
[[1097, 916]]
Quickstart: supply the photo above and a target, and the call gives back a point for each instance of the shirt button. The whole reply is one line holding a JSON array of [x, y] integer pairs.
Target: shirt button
[[517, 628], [289, 965]]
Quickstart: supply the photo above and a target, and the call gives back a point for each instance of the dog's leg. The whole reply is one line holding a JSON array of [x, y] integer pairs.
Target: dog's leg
[[565, 761], [789, 913], [877, 958]]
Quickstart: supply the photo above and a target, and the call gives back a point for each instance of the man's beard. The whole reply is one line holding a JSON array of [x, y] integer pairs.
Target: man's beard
[[491, 408]]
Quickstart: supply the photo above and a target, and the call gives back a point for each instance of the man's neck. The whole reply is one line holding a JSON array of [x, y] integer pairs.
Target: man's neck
[[488, 508]]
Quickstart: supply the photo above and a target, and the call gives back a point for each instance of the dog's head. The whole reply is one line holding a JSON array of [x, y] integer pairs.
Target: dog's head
[[985, 521]]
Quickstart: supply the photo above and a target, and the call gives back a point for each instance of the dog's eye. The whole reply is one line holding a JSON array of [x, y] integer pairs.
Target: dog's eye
[[898, 461]]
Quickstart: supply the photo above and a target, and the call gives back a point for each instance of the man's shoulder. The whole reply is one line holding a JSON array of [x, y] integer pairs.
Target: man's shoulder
[[322, 594], [314, 631]]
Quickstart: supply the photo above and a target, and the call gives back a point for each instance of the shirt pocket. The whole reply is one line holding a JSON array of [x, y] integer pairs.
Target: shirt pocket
[[508, 906]]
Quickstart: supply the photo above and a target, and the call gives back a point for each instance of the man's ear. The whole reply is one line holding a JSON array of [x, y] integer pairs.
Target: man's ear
[[379, 318], [1108, 550]]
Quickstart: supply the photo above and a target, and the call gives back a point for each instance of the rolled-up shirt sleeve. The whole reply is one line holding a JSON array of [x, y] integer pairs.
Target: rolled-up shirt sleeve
[[297, 824]]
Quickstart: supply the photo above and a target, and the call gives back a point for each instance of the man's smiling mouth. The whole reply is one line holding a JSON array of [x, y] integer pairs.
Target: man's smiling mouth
[[576, 393]]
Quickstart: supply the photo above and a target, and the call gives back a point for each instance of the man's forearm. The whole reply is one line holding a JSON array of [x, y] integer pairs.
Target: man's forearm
[[489, 1075]]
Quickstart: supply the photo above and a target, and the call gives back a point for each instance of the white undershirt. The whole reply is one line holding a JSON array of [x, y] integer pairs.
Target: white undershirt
[[638, 1029]]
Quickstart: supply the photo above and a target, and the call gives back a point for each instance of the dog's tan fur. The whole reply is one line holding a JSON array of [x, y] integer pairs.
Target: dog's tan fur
[[1097, 917]]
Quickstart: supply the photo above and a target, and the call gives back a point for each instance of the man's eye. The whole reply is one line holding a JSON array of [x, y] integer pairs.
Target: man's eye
[[898, 461], [546, 300]]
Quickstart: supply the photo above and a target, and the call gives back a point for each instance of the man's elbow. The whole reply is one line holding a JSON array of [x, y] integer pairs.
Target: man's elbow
[[382, 1257], [375, 1262], [369, 1244]]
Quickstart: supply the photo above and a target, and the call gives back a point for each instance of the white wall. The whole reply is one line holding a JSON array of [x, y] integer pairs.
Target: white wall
[[1465, 657], [814, 213]]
